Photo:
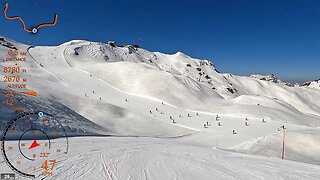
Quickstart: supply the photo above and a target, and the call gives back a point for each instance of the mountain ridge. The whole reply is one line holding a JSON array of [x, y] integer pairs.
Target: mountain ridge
[[129, 91]]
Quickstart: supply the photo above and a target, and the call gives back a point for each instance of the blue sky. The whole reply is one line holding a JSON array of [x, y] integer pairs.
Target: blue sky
[[239, 36]]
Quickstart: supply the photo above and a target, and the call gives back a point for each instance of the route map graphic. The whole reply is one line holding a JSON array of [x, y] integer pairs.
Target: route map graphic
[[33, 30]]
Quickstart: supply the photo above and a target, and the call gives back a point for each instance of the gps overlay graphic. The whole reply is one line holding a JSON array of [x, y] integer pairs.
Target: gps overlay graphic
[[34, 30]]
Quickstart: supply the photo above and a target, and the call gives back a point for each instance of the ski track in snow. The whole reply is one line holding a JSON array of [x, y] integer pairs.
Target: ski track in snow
[[158, 159]]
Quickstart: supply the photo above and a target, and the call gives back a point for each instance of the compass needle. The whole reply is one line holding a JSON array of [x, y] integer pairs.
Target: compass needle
[[34, 144]]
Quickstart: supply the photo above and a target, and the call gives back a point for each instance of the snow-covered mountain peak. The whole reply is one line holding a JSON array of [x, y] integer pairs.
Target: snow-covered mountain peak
[[312, 84], [109, 89], [267, 77]]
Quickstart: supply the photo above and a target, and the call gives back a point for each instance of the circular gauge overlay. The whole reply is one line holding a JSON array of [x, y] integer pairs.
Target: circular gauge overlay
[[33, 144]]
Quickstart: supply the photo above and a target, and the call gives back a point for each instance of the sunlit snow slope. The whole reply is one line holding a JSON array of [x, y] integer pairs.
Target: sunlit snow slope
[[128, 91]]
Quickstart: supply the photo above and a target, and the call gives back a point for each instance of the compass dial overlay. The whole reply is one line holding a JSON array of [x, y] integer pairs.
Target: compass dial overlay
[[33, 144]]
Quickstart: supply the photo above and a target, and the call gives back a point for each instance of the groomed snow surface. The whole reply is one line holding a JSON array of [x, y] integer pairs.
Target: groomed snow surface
[[117, 158], [167, 116]]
